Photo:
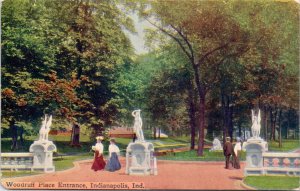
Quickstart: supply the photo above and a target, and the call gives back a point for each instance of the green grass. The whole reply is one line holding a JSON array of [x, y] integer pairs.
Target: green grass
[[123, 142], [272, 182], [66, 162], [192, 156], [287, 145], [12, 174]]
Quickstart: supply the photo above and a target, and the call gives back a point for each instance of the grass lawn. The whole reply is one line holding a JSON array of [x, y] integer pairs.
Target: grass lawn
[[67, 161], [272, 182], [192, 156], [12, 174], [287, 145]]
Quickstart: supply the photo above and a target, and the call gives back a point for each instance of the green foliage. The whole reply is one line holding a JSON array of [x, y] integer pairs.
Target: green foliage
[[287, 145], [62, 57], [73, 59]]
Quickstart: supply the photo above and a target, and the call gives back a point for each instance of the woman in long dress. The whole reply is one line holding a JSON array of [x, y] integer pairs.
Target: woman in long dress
[[113, 162], [99, 162], [236, 154]]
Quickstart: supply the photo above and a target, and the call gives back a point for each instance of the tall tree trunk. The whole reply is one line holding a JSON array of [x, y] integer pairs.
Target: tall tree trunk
[[201, 126], [265, 123], [230, 120], [192, 113], [14, 136], [279, 129], [288, 121], [154, 132], [159, 132], [271, 123], [274, 125], [202, 94], [224, 126]]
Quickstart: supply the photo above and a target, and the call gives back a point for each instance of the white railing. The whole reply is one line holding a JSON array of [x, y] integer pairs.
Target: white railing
[[16, 161], [281, 163]]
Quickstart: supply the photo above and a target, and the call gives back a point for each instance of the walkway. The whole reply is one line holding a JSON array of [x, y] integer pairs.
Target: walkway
[[171, 175]]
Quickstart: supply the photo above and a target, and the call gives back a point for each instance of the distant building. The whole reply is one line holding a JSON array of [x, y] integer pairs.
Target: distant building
[[121, 132]]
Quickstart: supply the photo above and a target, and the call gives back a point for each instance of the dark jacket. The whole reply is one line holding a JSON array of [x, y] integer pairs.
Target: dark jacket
[[228, 148]]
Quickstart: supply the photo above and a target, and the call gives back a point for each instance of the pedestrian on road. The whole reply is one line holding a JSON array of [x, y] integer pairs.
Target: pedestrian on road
[[236, 154], [99, 162], [228, 149]]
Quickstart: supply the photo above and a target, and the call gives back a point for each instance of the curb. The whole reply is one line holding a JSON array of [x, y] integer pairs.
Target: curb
[[247, 187]]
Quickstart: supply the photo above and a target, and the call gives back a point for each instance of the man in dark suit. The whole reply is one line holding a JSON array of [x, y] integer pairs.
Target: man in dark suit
[[227, 148]]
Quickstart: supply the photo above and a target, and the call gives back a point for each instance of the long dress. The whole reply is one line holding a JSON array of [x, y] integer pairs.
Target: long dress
[[236, 154], [99, 162], [113, 163]]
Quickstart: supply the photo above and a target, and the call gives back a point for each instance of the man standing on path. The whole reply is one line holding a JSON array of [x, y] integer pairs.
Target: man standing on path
[[227, 151]]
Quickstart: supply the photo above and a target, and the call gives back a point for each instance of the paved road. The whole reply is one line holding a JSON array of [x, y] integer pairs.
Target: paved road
[[171, 175]]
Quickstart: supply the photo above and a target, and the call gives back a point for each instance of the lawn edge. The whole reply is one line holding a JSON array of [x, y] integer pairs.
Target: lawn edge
[[248, 187]]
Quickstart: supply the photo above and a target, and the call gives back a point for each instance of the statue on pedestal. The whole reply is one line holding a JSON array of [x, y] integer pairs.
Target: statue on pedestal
[[140, 159], [137, 128], [255, 128], [43, 149], [255, 147]]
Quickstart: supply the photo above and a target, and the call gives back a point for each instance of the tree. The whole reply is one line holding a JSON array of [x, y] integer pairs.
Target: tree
[[207, 37], [80, 42]]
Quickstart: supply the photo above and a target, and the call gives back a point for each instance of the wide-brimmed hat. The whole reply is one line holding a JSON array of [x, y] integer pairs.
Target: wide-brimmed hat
[[99, 138]]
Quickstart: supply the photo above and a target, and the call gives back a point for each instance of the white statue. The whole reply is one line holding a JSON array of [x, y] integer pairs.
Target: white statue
[[45, 128], [48, 124], [255, 128], [216, 145], [137, 128]]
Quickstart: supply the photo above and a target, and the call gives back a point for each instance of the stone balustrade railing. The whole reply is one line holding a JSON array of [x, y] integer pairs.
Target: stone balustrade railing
[[281, 163], [17, 161]]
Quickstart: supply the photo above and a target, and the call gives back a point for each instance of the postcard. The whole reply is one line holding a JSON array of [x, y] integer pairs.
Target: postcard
[[149, 95]]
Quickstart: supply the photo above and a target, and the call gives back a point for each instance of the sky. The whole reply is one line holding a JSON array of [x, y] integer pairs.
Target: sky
[[138, 39]]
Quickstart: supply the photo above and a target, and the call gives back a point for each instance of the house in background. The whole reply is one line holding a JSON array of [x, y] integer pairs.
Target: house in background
[[121, 132]]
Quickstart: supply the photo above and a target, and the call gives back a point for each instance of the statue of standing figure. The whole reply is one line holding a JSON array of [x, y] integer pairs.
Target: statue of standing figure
[[45, 128], [255, 128], [137, 128]]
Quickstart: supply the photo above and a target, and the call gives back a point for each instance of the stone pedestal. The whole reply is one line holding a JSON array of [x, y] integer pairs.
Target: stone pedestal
[[140, 159], [43, 155], [254, 159]]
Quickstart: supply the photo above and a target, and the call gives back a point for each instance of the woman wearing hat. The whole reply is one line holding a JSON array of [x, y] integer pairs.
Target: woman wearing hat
[[99, 162], [113, 162]]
